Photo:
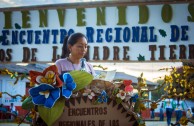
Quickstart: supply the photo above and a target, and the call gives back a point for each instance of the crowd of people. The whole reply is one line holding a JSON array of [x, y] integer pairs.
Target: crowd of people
[[170, 106]]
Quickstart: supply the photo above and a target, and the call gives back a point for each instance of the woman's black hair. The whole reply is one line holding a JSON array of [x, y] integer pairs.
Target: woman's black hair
[[72, 39]]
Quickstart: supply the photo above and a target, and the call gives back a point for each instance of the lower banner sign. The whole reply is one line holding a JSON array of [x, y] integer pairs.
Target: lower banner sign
[[82, 112]]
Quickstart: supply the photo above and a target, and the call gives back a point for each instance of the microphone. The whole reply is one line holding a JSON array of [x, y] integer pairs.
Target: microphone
[[83, 68]]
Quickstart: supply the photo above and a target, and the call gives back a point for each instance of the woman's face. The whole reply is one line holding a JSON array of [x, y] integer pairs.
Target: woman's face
[[79, 49]]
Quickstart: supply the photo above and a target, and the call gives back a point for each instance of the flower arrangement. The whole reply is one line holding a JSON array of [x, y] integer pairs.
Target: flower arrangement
[[49, 91]]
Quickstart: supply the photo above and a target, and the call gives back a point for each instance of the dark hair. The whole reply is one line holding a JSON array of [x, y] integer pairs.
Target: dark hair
[[72, 39]]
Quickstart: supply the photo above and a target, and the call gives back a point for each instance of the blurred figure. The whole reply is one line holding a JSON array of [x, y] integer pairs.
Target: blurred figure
[[179, 108], [3, 109], [189, 113], [152, 114], [169, 105], [13, 111], [162, 112]]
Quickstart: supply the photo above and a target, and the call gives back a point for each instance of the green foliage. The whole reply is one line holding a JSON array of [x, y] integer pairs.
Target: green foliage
[[162, 33], [136, 107], [27, 104], [50, 115], [141, 58], [118, 100], [23, 76], [115, 91], [158, 93], [17, 26], [81, 78]]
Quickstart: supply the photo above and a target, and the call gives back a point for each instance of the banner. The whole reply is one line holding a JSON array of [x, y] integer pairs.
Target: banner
[[119, 33]]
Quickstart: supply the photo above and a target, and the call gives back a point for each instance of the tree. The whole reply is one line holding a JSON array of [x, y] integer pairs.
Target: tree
[[156, 94]]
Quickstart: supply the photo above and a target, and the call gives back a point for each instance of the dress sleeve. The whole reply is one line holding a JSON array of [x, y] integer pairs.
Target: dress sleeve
[[57, 63]]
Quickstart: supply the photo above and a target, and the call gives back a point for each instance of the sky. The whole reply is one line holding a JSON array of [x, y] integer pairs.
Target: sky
[[19, 3]]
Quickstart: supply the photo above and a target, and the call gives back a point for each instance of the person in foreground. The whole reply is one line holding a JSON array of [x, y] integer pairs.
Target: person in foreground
[[73, 55]]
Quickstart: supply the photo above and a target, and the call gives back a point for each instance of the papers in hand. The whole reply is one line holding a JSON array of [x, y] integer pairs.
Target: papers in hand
[[107, 75]]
